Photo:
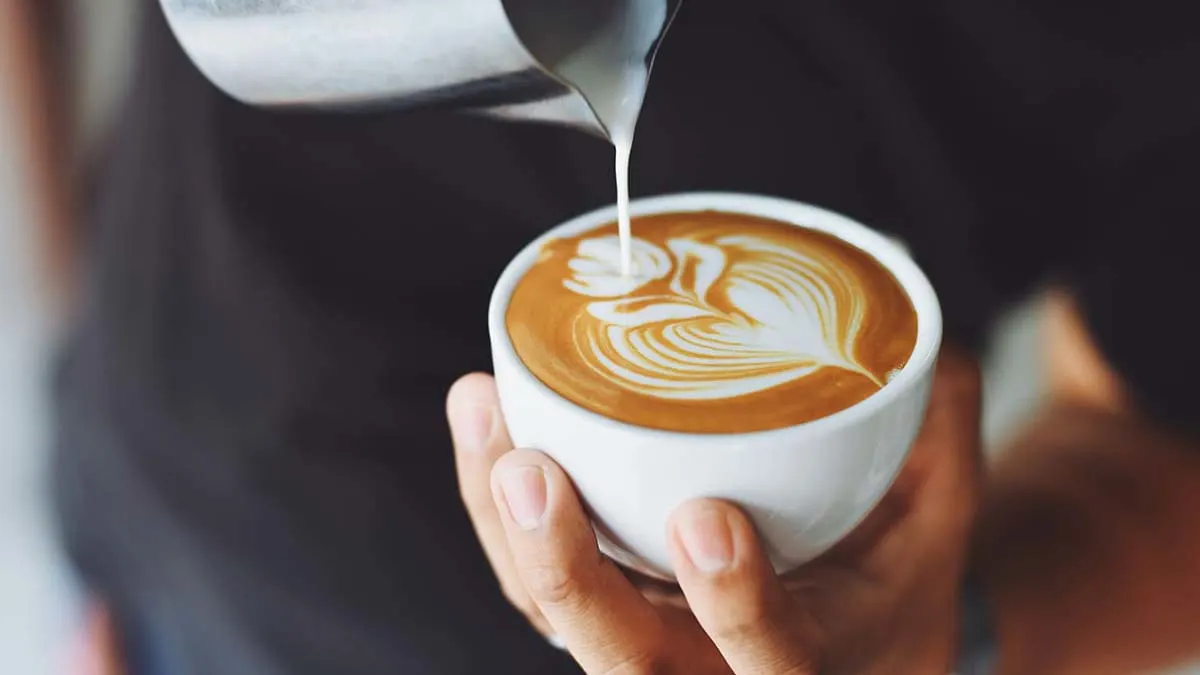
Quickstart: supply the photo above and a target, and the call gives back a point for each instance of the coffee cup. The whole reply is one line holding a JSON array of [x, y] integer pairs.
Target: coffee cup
[[805, 486]]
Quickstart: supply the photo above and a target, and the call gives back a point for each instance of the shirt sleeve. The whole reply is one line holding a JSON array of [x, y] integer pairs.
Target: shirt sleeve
[[1137, 279]]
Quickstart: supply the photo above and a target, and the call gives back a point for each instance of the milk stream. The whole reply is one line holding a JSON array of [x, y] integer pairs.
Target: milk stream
[[610, 71], [623, 145]]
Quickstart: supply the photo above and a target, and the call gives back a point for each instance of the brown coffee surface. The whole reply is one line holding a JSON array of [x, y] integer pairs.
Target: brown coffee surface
[[729, 323]]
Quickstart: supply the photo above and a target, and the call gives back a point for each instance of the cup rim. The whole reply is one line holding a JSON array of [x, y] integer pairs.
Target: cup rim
[[887, 251]]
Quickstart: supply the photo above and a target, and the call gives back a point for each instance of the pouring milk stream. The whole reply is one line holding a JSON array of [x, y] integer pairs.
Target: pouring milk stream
[[609, 66], [582, 63], [616, 93]]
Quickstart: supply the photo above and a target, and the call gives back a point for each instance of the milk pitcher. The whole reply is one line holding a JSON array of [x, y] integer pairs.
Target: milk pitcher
[[572, 62]]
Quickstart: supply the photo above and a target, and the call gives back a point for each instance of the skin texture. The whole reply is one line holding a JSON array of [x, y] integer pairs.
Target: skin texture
[[1087, 542], [1089, 539], [883, 600]]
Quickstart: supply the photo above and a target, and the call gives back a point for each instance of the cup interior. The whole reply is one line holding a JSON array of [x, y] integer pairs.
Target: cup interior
[[888, 252]]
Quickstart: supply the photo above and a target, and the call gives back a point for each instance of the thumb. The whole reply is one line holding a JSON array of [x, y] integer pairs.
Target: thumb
[[734, 593]]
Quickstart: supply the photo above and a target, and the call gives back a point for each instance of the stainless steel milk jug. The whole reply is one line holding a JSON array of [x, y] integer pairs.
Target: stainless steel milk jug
[[538, 60]]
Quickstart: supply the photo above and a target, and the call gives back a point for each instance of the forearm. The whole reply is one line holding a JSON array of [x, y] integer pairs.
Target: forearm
[[32, 74], [1088, 546]]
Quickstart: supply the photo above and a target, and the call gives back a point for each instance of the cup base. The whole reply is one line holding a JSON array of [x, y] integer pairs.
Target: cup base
[[624, 558]]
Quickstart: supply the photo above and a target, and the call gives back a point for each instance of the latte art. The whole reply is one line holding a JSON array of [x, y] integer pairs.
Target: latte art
[[720, 315], [774, 315]]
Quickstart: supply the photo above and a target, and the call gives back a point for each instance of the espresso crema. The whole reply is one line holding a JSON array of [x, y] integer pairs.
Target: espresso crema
[[728, 323]]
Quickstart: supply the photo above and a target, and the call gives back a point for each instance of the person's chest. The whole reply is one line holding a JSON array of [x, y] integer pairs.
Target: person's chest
[[918, 120], [962, 129], [318, 256]]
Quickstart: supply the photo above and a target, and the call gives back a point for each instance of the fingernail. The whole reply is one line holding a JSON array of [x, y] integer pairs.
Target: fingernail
[[707, 540], [524, 491], [474, 423]]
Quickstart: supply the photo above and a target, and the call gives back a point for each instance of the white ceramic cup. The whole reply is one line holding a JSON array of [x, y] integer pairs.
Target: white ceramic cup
[[805, 486]]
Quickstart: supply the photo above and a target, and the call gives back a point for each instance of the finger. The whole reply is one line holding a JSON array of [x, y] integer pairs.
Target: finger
[[599, 616], [948, 451], [733, 591], [480, 438], [953, 415]]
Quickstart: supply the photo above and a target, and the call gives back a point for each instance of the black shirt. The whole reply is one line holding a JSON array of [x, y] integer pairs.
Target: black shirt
[[253, 452]]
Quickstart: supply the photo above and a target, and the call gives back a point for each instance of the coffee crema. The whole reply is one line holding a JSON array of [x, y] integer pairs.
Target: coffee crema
[[729, 323]]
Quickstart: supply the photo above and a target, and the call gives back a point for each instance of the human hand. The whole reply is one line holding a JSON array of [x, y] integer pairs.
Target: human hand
[[94, 650], [883, 600]]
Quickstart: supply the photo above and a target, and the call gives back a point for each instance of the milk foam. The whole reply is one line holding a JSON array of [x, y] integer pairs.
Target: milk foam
[[785, 314], [611, 72]]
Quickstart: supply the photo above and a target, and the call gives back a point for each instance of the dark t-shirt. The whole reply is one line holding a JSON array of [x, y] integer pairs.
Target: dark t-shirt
[[253, 455]]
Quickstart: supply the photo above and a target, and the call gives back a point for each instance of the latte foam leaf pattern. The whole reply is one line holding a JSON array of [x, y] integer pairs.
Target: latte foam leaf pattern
[[785, 320], [723, 316]]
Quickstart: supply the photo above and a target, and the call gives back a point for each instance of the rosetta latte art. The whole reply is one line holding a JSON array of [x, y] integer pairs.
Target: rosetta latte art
[[784, 316], [728, 323]]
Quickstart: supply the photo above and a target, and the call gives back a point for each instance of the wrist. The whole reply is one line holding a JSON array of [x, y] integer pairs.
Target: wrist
[[923, 643]]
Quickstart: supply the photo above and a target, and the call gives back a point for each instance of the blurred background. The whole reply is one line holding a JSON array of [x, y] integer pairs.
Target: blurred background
[[39, 607], [41, 612]]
